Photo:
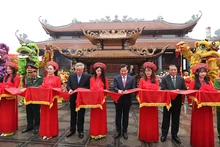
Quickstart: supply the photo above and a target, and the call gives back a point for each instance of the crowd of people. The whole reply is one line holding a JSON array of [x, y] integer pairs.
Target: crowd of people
[[44, 120]]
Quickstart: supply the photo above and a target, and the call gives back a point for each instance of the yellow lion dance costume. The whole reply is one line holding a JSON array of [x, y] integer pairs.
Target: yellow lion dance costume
[[205, 52]]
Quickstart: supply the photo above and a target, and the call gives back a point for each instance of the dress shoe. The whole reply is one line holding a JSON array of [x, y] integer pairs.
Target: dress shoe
[[81, 134], [163, 138], [125, 135], [70, 133], [26, 130], [176, 139], [117, 135], [35, 131]]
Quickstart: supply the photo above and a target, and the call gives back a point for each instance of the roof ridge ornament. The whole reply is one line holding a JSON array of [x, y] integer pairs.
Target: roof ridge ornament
[[75, 21], [125, 18], [23, 38], [194, 17], [44, 21], [159, 18]]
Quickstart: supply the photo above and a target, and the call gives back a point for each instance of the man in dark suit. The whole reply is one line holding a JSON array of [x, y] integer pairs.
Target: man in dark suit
[[33, 110], [172, 82], [122, 83], [76, 80]]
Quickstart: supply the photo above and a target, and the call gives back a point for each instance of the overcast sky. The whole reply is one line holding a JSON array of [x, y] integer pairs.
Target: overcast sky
[[23, 15]]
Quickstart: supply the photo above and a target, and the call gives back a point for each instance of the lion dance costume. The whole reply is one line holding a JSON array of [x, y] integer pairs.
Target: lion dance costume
[[205, 52], [3, 59]]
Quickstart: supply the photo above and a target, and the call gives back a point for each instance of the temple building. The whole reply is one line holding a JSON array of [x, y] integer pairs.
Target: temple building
[[114, 41]]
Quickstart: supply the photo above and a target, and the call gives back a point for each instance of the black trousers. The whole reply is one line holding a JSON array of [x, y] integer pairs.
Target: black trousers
[[33, 116], [175, 112], [122, 113], [73, 115]]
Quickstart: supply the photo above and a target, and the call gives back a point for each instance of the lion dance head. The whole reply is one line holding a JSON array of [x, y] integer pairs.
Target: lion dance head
[[204, 52], [28, 55]]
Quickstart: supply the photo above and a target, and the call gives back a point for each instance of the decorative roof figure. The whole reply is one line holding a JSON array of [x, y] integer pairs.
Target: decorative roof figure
[[116, 19]]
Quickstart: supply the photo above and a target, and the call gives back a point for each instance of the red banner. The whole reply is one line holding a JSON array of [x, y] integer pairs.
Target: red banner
[[205, 98], [9, 93], [13, 91], [115, 96], [79, 90], [95, 99], [154, 98], [174, 93], [44, 96], [184, 92], [90, 99], [64, 95]]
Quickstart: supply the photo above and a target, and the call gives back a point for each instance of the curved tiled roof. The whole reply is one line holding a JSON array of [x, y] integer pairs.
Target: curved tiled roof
[[147, 43], [149, 25]]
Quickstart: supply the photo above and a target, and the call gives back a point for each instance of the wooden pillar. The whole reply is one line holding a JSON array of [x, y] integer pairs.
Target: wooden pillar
[[88, 68]]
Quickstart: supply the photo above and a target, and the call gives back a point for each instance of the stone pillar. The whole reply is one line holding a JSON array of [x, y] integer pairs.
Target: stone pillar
[[160, 63]]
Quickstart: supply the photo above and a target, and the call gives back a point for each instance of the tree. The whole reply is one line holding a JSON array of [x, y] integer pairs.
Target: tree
[[217, 33]]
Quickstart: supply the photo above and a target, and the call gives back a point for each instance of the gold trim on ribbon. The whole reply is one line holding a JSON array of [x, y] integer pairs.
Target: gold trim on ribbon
[[93, 106], [42, 102], [104, 99], [152, 104], [211, 104], [36, 102], [7, 96], [89, 106]]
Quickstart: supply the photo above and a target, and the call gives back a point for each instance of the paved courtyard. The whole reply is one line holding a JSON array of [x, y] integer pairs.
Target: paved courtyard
[[31, 140]]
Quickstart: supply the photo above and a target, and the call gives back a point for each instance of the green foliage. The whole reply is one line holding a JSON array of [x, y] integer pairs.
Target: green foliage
[[217, 33], [161, 71]]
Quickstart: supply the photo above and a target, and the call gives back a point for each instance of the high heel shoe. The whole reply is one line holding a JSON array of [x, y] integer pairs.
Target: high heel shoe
[[7, 134], [45, 137], [2, 134]]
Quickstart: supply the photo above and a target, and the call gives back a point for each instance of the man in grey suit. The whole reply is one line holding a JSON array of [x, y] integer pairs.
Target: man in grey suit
[[77, 80], [172, 82], [122, 83]]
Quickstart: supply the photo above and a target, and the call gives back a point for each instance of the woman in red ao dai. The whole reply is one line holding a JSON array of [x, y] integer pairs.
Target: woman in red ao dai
[[49, 116], [148, 120], [202, 129], [8, 104], [98, 119]]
